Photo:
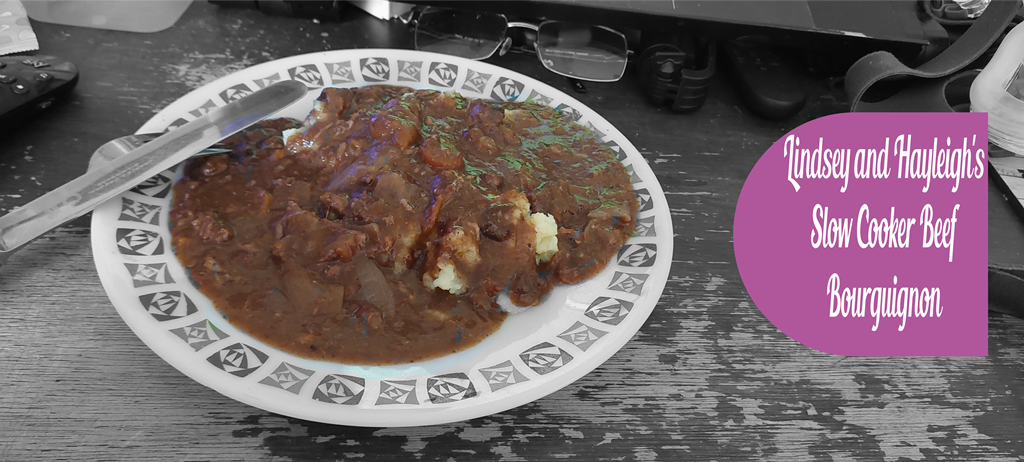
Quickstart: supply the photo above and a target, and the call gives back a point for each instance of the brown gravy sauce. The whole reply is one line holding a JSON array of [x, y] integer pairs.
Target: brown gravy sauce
[[328, 247]]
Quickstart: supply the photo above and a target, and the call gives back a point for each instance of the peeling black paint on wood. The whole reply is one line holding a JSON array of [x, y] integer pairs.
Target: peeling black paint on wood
[[707, 377]]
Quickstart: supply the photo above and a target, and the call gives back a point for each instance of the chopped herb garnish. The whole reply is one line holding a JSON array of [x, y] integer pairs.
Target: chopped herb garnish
[[460, 102], [512, 161], [474, 170]]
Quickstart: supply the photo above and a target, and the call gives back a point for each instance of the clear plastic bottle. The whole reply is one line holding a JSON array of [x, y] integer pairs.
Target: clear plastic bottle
[[999, 91], [974, 8], [131, 16]]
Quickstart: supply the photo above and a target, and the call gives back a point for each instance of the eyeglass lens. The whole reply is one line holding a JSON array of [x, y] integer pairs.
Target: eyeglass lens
[[581, 51], [460, 33]]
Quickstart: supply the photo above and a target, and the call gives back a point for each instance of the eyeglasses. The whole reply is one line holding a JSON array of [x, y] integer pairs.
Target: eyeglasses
[[578, 51]]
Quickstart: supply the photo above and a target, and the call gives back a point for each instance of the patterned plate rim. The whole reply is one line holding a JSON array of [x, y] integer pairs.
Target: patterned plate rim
[[140, 273]]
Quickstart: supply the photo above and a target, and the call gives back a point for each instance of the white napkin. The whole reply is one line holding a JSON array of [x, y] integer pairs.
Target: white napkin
[[15, 32]]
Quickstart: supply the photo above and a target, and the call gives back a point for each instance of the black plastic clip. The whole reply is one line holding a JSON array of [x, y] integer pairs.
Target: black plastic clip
[[678, 74]]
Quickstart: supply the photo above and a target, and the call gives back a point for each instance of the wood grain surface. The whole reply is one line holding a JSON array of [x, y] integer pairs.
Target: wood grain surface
[[706, 378]]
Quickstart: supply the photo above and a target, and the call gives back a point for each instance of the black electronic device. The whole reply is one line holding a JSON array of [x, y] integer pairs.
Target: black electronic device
[[30, 84], [766, 85], [848, 29]]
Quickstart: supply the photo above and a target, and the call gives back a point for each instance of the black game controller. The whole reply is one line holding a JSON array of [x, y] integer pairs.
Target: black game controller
[[30, 84]]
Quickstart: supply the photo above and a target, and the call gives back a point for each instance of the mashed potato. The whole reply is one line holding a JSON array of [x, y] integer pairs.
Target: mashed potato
[[287, 134], [459, 244], [317, 114], [546, 242], [445, 278], [462, 245]]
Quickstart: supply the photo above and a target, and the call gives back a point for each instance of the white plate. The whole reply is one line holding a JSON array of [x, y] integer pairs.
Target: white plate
[[532, 355]]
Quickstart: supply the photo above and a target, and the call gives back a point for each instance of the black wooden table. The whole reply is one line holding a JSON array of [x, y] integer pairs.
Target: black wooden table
[[707, 377]]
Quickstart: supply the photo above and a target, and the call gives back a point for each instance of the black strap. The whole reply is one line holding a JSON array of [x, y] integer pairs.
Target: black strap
[[928, 94], [1006, 291], [920, 97]]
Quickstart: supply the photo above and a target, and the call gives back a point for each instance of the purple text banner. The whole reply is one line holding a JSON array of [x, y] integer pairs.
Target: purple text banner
[[866, 234]]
